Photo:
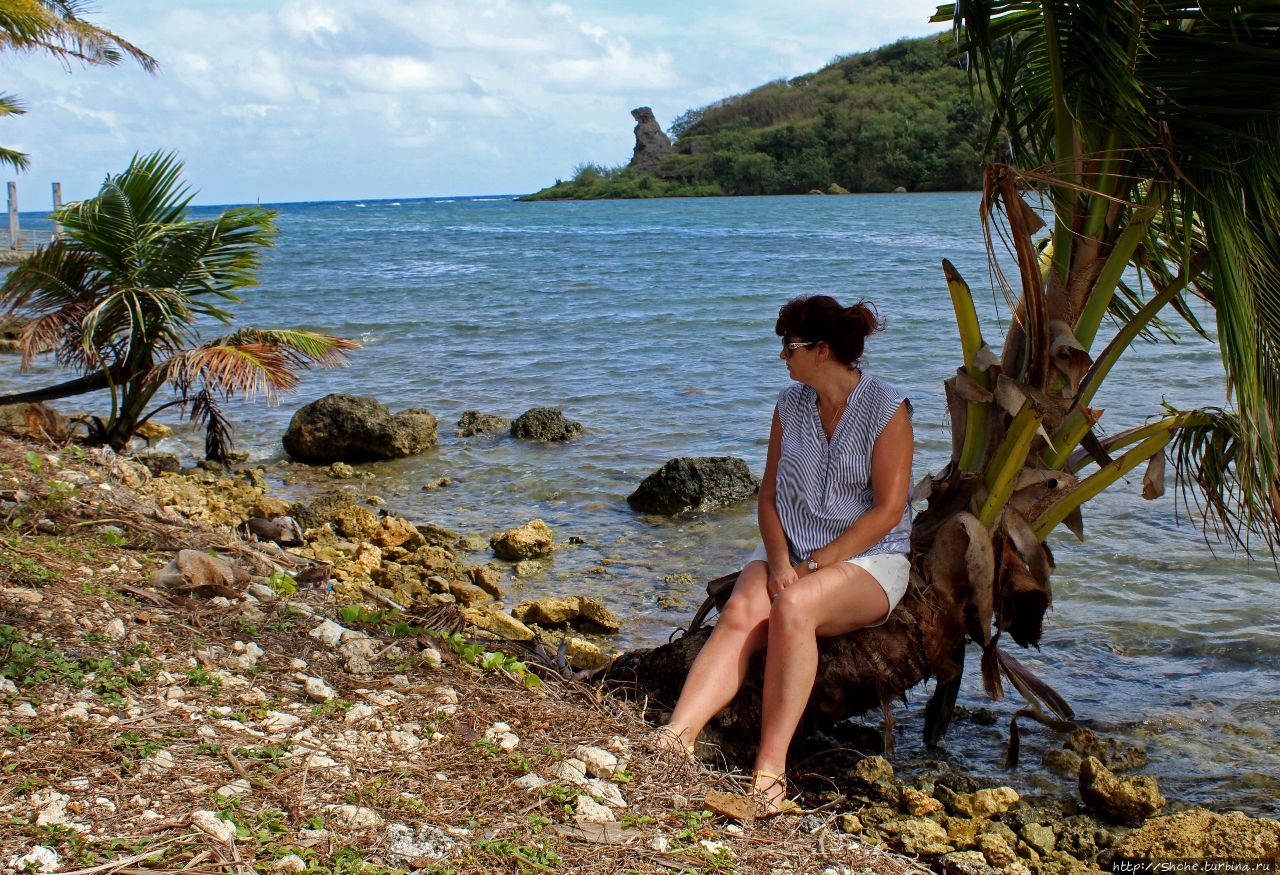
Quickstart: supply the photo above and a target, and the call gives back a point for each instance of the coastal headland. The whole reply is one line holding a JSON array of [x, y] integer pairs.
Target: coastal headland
[[898, 118]]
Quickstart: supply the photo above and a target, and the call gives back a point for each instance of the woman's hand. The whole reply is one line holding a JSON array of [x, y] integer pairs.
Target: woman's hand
[[780, 578]]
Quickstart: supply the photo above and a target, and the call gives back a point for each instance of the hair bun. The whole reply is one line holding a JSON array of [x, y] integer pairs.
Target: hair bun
[[864, 317]]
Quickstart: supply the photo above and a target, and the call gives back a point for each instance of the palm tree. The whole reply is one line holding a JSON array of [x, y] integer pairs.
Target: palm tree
[[1148, 133], [58, 28], [120, 297]]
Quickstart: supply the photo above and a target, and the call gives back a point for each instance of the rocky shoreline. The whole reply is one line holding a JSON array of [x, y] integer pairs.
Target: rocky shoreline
[[383, 568]]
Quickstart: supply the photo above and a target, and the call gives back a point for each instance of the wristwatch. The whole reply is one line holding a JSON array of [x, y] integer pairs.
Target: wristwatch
[[811, 564]]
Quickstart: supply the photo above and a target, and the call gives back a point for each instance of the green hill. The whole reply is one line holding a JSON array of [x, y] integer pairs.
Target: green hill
[[901, 116]]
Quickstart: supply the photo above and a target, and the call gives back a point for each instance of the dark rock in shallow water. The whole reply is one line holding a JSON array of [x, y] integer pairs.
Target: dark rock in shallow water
[[694, 483], [545, 424], [350, 428], [473, 422]]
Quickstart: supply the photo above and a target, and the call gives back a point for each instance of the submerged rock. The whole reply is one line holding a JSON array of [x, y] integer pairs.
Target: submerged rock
[[473, 422], [530, 541], [1117, 755], [694, 483], [545, 424], [351, 428], [1123, 800]]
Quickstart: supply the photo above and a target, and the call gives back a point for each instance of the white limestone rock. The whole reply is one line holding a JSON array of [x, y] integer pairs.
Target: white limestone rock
[[587, 810], [600, 763], [211, 825], [328, 633]]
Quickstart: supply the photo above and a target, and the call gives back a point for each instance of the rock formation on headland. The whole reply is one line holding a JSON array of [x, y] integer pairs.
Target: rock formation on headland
[[652, 145]]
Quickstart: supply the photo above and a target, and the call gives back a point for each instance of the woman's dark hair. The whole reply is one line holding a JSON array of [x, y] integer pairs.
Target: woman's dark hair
[[820, 317]]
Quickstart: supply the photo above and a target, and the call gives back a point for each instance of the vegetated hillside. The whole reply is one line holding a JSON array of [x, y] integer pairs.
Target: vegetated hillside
[[901, 116]]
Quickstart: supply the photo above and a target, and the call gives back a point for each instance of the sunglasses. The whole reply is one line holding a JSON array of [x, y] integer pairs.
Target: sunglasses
[[789, 348]]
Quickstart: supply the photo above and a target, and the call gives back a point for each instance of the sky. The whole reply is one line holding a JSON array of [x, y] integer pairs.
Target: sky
[[296, 100]]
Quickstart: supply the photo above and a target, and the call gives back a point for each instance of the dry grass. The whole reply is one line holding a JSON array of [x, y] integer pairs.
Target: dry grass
[[139, 732]]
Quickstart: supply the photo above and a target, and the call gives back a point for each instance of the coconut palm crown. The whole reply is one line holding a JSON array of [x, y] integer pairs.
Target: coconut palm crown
[[1149, 135], [122, 295]]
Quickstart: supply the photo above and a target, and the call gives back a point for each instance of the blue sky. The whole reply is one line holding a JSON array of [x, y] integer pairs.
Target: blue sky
[[334, 99]]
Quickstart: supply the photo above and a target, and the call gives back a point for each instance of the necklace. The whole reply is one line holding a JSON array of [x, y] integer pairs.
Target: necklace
[[829, 421]]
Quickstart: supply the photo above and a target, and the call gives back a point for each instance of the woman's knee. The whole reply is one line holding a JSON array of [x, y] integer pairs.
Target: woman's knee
[[793, 610], [742, 613]]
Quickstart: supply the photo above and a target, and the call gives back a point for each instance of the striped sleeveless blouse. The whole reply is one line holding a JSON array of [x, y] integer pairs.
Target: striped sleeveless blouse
[[823, 488]]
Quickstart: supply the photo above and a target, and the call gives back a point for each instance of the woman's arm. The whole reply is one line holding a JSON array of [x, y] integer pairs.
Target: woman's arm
[[781, 574], [890, 473]]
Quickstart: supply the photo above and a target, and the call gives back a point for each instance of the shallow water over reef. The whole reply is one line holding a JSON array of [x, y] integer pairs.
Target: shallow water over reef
[[651, 323]]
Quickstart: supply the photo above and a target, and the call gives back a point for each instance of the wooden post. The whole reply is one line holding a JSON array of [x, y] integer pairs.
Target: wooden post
[[13, 215], [57, 204]]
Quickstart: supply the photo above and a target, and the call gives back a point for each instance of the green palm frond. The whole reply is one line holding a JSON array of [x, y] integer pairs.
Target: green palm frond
[[58, 28], [1153, 130], [1233, 493], [215, 257], [10, 104]]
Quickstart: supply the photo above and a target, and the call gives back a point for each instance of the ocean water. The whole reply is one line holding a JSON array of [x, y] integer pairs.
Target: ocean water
[[651, 322]]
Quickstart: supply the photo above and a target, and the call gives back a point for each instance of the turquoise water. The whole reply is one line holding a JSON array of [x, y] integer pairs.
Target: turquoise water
[[651, 323]]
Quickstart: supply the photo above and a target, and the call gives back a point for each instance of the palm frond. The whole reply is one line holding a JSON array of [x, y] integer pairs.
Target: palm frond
[[10, 104], [217, 428], [1231, 489], [254, 361], [305, 348], [214, 257], [58, 28]]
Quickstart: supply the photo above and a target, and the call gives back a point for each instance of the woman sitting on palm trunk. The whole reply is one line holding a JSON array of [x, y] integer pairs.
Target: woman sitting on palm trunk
[[835, 529]]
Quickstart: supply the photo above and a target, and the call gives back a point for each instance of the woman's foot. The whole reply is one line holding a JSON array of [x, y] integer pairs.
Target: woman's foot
[[671, 741], [770, 794]]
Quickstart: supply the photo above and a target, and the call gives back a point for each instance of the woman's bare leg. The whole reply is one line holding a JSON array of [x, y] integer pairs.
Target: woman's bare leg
[[832, 601], [721, 666]]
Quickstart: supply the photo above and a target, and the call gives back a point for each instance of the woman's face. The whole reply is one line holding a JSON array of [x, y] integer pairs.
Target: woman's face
[[800, 356]]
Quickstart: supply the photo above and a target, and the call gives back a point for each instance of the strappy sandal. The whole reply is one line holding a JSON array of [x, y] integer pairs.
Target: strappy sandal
[[768, 805], [671, 742]]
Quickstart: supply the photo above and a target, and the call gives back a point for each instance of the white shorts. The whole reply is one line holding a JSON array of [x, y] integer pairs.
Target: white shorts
[[890, 570]]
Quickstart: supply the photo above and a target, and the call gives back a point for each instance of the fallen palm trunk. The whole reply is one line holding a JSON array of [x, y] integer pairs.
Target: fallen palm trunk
[[966, 585]]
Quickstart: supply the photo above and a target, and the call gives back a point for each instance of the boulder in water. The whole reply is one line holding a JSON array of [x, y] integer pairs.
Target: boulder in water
[[545, 424], [473, 422], [351, 428], [529, 541], [694, 483]]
